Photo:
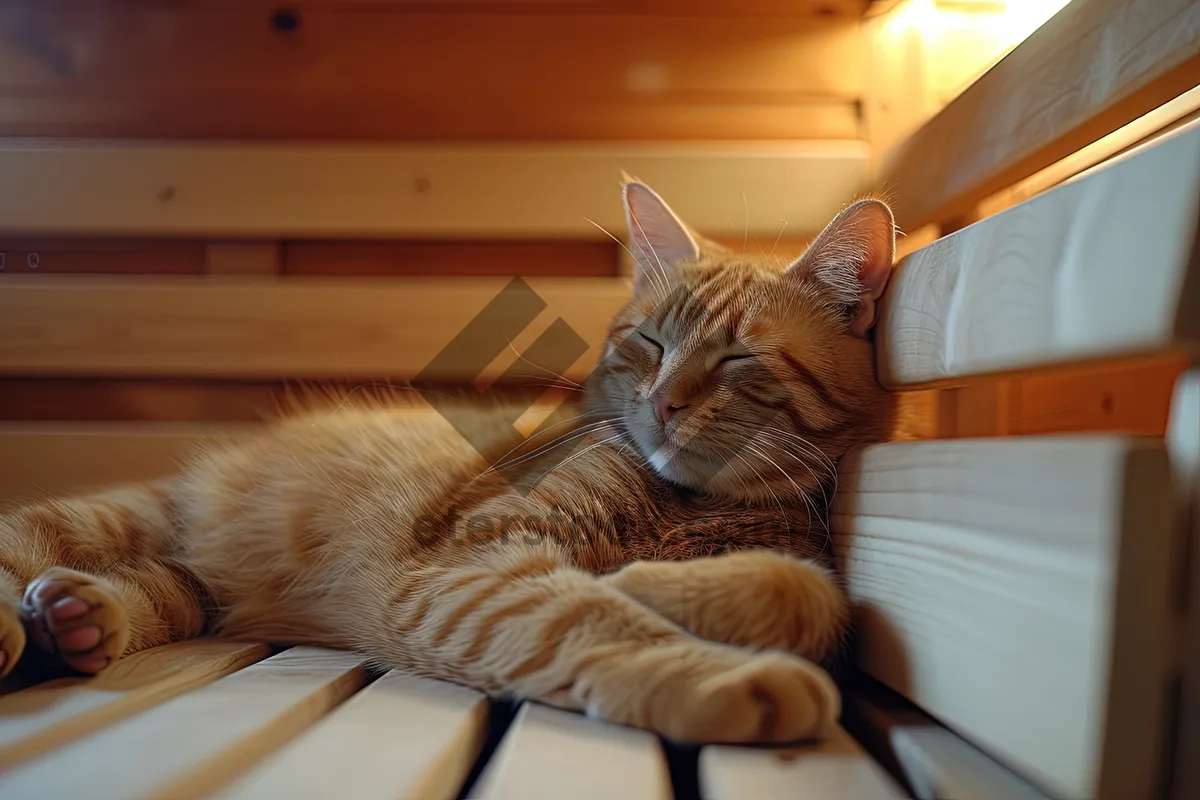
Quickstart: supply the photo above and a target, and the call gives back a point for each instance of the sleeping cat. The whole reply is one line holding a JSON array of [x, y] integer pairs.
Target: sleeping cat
[[678, 588]]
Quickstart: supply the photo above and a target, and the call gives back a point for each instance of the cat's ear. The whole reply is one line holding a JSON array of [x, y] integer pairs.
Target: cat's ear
[[852, 259], [659, 241]]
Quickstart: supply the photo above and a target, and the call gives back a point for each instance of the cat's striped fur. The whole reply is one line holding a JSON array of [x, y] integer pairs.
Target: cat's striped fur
[[664, 574]]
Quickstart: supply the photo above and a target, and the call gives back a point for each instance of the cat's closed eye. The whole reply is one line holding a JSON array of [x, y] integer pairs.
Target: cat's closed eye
[[735, 357], [652, 341]]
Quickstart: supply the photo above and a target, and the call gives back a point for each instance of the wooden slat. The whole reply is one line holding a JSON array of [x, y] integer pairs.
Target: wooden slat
[[1051, 280], [195, 743], [1039, 568], [501, 191], [400, 737], [591, 259], [835, 768], [350, 71], [49, 715], [49, 458], [335, 328], [1094, 67], [553, 754], [935, 762]]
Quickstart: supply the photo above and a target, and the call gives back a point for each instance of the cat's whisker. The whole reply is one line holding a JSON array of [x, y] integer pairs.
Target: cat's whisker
[[584, 451], [569, 436], [766, 485], [547, 370], [622, 245], [778, 237]]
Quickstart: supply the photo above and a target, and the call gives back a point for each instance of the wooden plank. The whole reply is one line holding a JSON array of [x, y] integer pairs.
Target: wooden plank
[[501, 191], [936, 763], [402, 736], [25, 256], [350, 71], [1168, 117], [1095, 66], [335, 328], [837, 767], [554, 754], [52, 458], [592, 259], [1183, 443], [197, 742], [1049, 280], [1038, 567], [243, 258], [40, 718]]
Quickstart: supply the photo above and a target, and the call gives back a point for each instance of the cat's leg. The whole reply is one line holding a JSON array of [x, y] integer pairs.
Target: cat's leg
[[753, 598], [518, 619], [89, 582]]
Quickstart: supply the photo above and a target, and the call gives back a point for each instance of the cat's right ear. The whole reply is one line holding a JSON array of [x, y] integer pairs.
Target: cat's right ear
[[658, 239]]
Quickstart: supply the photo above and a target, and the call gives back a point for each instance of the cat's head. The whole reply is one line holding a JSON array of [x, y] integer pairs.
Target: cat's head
[[746, 376]]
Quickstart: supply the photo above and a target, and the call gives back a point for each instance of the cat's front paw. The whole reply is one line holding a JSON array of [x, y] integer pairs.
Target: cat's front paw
[[76, 618], [773, 697]]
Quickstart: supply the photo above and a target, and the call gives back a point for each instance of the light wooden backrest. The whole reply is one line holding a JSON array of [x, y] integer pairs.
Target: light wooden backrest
[[1094, 67], [1022, 590]]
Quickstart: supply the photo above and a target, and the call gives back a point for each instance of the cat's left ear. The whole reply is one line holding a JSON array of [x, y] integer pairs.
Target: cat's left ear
[[659, 240], [852, 259]]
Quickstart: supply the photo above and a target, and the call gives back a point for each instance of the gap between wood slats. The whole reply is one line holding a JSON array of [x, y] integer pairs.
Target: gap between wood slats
[[415, 257]]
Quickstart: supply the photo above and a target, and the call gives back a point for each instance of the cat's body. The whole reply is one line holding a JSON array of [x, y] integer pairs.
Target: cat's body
[[637, 579]]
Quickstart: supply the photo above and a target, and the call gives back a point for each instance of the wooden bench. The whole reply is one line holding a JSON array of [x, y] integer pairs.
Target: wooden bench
[[1023, 559]]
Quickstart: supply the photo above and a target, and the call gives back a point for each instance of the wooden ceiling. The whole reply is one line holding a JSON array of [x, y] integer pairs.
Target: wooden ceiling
[[422, 70]]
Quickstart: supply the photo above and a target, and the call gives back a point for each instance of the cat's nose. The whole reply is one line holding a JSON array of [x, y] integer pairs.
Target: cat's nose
[[666, 406]]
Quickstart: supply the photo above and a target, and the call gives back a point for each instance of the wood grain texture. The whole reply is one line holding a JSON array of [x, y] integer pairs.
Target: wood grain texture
[[370, 71], [401, 737], [837, 767], [549, 754], [51, 458], [197, 742], [1094, 67], [501, 191], [336, 328], [935, 762], [1053, 279], [49, 715], [1037, 567]]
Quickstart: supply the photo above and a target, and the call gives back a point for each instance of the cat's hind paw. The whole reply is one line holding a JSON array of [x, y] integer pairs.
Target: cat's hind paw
[[771, 698], [76, 618]]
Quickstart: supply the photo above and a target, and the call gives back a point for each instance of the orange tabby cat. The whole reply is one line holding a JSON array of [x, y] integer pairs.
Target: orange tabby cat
[[660, 576]]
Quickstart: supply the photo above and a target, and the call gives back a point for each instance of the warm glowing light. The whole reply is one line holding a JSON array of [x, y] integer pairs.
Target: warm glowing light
[[1022, 17], [1014, 19]]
